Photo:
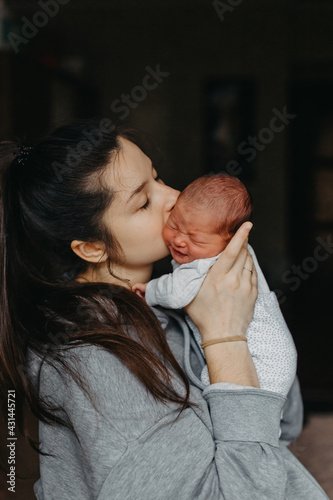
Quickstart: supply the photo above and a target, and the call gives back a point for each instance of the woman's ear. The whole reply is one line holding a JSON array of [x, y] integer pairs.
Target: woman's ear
[[91, 252]]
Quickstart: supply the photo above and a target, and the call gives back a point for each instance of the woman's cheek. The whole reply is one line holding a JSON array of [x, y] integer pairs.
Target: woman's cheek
[[166, 234]]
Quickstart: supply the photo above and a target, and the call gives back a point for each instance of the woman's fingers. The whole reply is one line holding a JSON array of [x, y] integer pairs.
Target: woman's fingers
[[248, 266], [243, 260], [254, 277], [235, 250], [251, 272]]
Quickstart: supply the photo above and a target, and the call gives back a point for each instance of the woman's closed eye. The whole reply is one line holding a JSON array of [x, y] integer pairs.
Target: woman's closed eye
[[145, 205], [157, 179]]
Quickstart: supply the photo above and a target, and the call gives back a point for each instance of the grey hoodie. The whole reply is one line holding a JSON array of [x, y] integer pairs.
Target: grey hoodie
[[130, 446]]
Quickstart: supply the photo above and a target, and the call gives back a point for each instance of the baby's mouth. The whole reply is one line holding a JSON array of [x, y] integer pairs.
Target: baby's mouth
[[177, 252]]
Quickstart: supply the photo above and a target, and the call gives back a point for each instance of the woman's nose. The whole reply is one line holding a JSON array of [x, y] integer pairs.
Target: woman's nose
[[172, 197]]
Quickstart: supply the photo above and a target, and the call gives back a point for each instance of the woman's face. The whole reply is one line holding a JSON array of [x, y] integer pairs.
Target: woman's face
[[140, 208]]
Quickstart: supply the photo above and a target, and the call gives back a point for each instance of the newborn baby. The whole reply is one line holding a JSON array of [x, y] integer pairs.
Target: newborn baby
[[206, 216]]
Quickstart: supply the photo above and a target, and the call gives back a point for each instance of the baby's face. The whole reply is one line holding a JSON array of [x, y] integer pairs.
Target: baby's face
[[189, 235]]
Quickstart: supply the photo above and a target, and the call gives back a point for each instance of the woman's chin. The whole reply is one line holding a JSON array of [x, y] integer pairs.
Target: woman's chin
[[163, 254]]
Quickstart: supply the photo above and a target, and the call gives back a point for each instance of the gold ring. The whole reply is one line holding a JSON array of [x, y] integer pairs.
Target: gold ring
[[247, 269]]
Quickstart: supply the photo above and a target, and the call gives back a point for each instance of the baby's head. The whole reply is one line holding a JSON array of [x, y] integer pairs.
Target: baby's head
[[206, 216]]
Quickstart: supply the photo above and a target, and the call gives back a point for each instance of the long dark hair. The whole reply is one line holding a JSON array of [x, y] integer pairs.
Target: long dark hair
[[51, 195]]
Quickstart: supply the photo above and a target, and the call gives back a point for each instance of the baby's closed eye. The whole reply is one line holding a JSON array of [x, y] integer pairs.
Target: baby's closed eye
[[198, 242]]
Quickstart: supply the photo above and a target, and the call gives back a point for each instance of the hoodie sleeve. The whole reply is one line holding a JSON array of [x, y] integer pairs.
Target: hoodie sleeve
[[128, 446]]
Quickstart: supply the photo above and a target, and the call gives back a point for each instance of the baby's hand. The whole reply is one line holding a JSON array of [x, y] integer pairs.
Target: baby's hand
[[140, 289]]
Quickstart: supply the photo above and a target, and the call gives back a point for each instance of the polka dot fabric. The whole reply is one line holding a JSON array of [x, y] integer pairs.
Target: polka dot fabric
[[270, 344]]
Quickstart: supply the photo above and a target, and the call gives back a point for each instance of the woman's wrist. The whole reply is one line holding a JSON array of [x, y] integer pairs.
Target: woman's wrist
[[219, 332], [231, 362], [232, 338]]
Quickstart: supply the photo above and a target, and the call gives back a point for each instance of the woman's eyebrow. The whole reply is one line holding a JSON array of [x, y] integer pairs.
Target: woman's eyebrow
[[137, 190]]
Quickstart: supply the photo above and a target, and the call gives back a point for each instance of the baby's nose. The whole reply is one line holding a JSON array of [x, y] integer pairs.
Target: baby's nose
[[179, 241]]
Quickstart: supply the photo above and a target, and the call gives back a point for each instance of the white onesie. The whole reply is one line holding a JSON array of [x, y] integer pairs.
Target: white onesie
[[269, 340]]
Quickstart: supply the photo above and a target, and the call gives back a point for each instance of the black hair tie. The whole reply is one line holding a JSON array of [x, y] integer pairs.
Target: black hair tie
[[24, 154]]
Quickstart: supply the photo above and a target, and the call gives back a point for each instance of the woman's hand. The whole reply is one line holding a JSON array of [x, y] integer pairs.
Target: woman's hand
[[225, 302], [224, 307]]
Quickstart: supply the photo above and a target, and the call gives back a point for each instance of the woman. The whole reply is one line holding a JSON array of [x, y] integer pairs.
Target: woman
[[107, 376]]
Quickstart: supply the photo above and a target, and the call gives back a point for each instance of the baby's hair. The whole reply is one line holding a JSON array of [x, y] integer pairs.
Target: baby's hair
[[224, 197]]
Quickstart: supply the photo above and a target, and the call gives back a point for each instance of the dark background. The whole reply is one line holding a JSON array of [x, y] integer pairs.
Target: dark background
[[90, 53]]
